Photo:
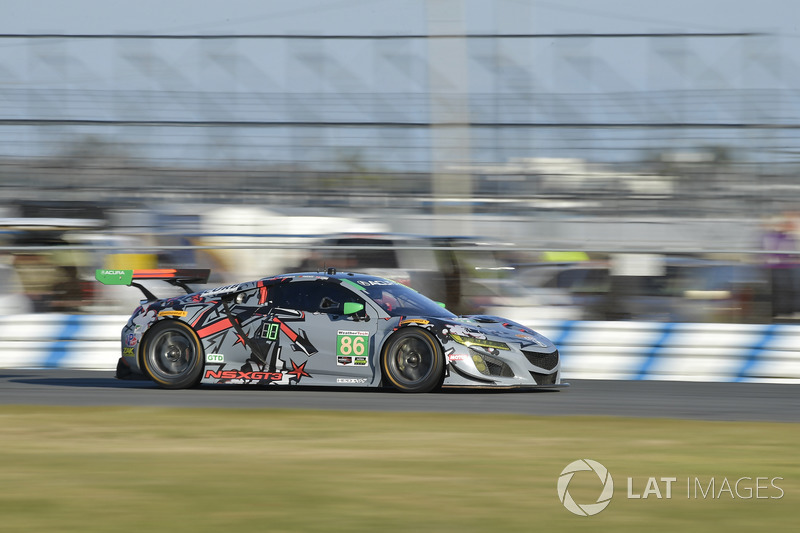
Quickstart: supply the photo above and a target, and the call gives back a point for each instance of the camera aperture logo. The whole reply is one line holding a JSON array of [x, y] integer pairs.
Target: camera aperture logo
[[659, 488], [585, 509]]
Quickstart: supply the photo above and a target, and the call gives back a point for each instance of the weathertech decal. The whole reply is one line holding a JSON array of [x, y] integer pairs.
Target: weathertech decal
[[352, 343]]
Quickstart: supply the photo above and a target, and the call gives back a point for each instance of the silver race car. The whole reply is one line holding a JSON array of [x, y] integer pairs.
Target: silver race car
[[328, 329]]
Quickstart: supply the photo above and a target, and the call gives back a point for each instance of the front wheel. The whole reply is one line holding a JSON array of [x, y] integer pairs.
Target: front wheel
[[173, 355], [412, 361]]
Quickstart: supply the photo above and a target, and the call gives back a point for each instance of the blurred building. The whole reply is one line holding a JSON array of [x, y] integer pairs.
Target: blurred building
[[203, 148]]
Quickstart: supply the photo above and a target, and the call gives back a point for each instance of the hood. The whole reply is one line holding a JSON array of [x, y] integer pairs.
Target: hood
[[477, 328]]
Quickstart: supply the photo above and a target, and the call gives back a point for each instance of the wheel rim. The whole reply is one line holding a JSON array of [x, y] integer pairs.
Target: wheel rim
[[172, 353], [412, 360]]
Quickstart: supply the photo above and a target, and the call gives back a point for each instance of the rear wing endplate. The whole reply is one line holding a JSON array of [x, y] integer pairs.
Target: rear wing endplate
[[174, 276]]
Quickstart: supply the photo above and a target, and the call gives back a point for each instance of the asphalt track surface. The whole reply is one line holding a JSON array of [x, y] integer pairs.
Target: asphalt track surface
[[660, 399]]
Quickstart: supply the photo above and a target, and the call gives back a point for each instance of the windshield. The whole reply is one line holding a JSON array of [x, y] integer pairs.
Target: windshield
[[399, 300]]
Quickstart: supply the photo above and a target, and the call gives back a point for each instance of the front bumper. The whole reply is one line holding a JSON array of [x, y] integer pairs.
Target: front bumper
[[476, 367]]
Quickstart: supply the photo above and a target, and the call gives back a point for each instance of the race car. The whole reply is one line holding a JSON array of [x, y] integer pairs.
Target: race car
[[321, 328]]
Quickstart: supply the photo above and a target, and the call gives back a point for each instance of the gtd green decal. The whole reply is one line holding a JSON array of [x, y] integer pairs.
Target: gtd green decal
[[215, 358], [350, 343]]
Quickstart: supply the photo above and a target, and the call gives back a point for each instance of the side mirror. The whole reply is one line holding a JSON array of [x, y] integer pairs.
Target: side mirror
[[351, 308]]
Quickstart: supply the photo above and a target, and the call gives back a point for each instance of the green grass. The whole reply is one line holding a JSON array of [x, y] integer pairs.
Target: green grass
[[146, 470]]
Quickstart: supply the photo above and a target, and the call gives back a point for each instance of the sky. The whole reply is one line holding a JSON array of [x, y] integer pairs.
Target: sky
[[397, 16], [29, 69]]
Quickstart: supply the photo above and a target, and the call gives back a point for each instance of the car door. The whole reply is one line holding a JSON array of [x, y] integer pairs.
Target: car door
[[319, 344]]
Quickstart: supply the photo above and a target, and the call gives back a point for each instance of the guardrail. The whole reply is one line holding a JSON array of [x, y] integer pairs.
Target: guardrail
[[590, 350], [89, 342], [677, 351]]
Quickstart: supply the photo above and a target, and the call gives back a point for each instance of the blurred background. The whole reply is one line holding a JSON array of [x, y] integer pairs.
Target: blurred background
[[612, 160]]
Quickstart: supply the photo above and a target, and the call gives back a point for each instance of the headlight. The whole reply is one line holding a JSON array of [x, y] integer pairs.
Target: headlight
[[489, 365], [484, 343], [480, 364]]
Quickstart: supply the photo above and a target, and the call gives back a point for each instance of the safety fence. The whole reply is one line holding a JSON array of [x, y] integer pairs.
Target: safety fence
[[590, 350]]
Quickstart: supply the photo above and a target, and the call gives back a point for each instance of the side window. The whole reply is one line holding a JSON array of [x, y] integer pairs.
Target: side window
[[290, 295], [313, 296], [327, 297]]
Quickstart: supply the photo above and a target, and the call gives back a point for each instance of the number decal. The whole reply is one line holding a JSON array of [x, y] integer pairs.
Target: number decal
[[271, 331], [352, 343]]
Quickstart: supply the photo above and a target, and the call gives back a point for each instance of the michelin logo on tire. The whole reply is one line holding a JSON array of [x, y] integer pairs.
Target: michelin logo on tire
[[586, 509]]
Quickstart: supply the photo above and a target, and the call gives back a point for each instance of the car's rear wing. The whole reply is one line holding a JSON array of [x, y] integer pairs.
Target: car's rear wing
[[174, 276]]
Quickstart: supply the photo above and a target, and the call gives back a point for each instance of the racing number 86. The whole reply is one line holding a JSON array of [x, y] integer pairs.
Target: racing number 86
[[351, 344]]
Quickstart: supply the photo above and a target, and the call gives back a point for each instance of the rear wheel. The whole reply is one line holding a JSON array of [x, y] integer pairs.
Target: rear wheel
[[412, 361], [173, 355]]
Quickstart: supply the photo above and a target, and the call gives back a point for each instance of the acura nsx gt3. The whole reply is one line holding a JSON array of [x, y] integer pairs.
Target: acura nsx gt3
[[328, 328]]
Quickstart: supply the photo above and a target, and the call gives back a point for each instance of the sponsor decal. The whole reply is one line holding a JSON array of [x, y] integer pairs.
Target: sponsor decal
[[215, 358], [352, 381], [457, 357], [249, 376], [127, 352], [368, 283], [131, 339], [531, 339], [462, 331], [172, 312], [420, 321], [220, 290], [342, 360], [352, 343]]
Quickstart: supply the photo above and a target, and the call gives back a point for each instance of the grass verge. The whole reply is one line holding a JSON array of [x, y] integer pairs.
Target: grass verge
[[142, 469]]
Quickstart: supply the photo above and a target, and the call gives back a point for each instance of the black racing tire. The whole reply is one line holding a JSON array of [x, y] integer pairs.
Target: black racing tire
[[412, 361], [173, 355]]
